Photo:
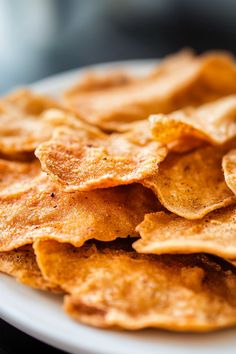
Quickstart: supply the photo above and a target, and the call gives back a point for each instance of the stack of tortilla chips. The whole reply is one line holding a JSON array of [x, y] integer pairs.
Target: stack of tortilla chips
[[121, 195]]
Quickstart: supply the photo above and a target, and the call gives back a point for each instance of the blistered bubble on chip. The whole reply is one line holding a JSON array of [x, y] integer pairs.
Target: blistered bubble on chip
[[229, 168], [192, 185], [212, 122], [40, 209], [191, 81], [81, 161], [21, 128], [110, 287], [168, 233], [21, 264]]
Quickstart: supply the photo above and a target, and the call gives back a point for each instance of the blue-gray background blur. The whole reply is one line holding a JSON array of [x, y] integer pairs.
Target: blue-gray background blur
[[42, 37]]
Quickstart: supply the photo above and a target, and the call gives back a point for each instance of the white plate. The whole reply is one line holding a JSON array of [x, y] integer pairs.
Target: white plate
[[41, 315]]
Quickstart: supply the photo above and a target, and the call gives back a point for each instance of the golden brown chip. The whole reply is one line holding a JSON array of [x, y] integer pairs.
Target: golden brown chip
[[109, 287], [21, 264], [93, 81], [21, 128], [192, 185], [190, 81], [37, 208], [229, 168], [168, 233], [16, 177], [81, 161], [214, 122]]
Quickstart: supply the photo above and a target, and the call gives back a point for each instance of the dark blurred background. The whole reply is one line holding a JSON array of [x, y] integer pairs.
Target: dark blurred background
[[42, 37]]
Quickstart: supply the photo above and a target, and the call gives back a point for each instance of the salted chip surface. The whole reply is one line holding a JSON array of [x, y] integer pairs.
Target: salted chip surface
[[84, 162], [21, 264], [163, 232], [190, 81], [111, 287], [21, 126], [41, 209], [16, 177], [214, 122], [229, 168], [191, 185]]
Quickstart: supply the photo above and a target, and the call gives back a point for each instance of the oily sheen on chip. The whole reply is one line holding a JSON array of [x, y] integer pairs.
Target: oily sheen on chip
[[84, 163], [213, 122], [21, 264], [191, 185], [110, 287], [37, 208], [21, 126], [183, 80], [131, 218], [215, 233]]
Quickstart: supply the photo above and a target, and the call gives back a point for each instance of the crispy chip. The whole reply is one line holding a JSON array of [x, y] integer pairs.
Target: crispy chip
[[214, 122], [83, 162], [190, 81], [229, 168], [192, 185], [38, 208], [109, 287], [21, 128], [16, 177], [21, 264], [168, 233], [93, 81]]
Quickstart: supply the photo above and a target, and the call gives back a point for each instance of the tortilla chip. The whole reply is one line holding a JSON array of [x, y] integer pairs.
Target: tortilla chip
[[212, 122], [21, 128], [37, 208], [192, 185], [82, 162], [229, 168], [21, 264], [110, 287], [191, 81], [168, 233]]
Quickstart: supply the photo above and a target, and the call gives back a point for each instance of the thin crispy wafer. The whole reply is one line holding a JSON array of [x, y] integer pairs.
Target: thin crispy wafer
[[84, 162], [192, 185], [229, 168], [168, 233], [213, 122], [21, 128], [21, 264], [36, 208], [190, 81], [110, 287]]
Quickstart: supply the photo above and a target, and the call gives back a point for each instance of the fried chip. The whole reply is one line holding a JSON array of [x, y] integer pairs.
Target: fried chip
[[21, 264], [213, 122], [110, 287], [41, 209], [16, 177], [21, 128], [93, 81], [192, 185], [190, 81], [229, 168], [168, 233], [84, 162]]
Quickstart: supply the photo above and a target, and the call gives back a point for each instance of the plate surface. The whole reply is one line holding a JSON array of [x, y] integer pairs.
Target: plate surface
[[41, 315]]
